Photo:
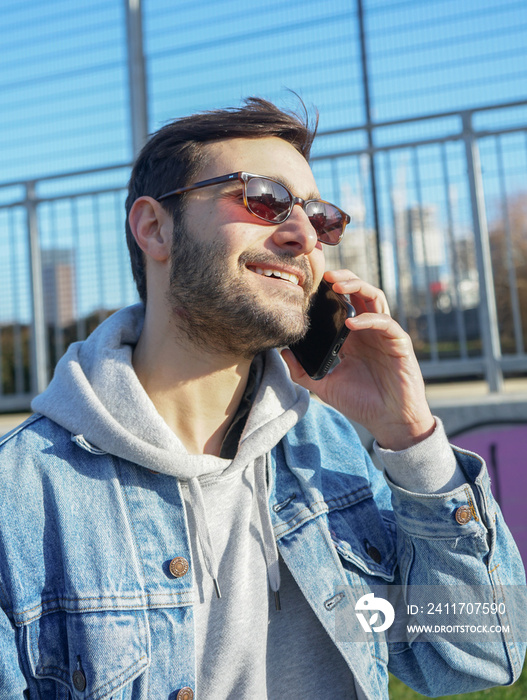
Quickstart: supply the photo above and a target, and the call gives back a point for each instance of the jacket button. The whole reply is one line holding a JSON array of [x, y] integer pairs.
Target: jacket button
[[178, 567], [185, 694], [463, 514], [79, 680]]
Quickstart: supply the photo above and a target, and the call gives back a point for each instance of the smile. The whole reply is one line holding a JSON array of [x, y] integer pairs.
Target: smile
[[281, 274]]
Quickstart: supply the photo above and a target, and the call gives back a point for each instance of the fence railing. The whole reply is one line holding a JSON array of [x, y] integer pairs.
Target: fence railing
[[448, 243]]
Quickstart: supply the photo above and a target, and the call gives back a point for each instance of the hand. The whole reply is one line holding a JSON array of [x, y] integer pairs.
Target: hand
[[378, 382]]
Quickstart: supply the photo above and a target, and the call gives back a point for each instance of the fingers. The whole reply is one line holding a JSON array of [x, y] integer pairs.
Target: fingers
[[385, 337], [383, 323], [365, 297]]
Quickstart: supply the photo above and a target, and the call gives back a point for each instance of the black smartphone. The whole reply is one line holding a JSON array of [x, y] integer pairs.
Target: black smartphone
[[318, 350]]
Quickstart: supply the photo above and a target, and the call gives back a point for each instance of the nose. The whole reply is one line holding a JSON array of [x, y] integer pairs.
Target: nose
[[296, 233]]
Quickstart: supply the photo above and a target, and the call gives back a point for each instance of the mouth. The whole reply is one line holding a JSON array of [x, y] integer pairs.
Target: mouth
[[285, 275]]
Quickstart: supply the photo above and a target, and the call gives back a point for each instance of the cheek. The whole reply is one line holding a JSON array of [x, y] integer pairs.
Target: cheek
[[318, 262], [200, 219]]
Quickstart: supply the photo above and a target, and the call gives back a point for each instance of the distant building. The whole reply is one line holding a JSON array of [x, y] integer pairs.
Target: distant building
[[426, 247], [58, 281], [429, 265]]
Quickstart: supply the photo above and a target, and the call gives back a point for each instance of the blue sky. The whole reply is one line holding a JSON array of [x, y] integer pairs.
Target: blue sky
[[64, 83]]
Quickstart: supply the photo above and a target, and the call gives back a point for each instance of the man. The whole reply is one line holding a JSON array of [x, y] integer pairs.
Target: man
[[179, 519]]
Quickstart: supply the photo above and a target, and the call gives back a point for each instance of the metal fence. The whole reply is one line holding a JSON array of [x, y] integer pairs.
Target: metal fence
[[450, 214], [440, 221]]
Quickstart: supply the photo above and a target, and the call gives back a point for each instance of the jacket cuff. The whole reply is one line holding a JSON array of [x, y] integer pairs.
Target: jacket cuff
[[426, 468], [458, 513]]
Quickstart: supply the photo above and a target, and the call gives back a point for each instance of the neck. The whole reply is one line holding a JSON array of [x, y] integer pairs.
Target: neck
[[196, 392]]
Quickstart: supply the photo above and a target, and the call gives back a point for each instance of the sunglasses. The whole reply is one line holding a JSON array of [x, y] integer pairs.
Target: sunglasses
[[271, 201]]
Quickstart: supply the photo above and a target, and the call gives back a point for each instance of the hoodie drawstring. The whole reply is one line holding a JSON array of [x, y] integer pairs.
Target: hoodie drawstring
[[203, 532], [269, 542]]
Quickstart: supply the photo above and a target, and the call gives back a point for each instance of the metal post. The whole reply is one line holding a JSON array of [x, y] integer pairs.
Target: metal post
[[39, 348], [401, 302], [136, 75], [488, 314], [453, 258], [513, 282], [369, 129], [430, 316]]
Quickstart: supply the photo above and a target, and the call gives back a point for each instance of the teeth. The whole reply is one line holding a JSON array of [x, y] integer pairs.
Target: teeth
[[289, 276], [277, 273]]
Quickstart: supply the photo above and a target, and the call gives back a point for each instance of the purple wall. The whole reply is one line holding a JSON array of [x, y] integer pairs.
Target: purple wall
[[504, 448]]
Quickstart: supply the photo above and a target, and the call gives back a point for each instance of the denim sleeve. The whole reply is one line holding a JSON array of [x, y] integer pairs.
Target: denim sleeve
[[457, 540], [12, 682]]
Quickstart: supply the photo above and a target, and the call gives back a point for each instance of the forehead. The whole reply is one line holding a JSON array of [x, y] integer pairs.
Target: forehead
[[269, 156]]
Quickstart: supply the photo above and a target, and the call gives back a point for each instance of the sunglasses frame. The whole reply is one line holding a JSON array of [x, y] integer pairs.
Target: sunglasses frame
[[244, 177]]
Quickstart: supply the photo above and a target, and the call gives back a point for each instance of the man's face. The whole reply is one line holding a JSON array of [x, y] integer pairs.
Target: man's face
[[225, 289]]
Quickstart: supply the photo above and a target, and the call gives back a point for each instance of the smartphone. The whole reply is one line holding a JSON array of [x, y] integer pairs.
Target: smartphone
[[319, 348]]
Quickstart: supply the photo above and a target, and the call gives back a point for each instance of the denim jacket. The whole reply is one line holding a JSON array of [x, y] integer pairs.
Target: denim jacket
[[89, 608]]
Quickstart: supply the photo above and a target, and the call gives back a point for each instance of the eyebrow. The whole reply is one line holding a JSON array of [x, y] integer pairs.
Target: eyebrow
[[283, 181]]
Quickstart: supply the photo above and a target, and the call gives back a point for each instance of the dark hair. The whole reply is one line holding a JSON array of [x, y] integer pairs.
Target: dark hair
[[174, 155]]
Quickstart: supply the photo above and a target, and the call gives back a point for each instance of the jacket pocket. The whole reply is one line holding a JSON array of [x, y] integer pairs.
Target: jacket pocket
[[363, 538], [93, 655]]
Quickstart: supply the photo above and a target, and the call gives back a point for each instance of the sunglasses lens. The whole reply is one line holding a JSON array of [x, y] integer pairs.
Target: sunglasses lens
[[268, 200], [327, 220]]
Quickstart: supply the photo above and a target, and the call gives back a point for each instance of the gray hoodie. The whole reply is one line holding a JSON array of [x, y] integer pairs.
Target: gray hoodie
[[245, 648]]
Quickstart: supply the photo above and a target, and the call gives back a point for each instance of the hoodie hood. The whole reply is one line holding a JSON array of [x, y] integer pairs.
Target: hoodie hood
[[96, 395]]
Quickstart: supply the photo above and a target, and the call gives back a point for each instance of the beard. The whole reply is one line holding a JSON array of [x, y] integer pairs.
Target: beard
[[220, 312]]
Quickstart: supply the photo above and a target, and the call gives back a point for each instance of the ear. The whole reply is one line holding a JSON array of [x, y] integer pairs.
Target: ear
[[152, 227]]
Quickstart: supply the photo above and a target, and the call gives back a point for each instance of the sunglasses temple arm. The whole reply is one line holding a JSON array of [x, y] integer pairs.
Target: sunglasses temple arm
[[203, 183]]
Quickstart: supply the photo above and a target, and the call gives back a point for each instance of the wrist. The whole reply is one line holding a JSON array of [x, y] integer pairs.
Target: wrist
[[402, 436], [430, 467]]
